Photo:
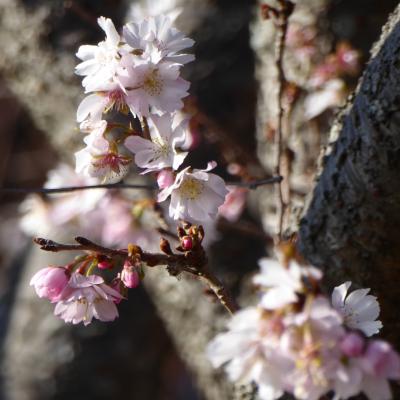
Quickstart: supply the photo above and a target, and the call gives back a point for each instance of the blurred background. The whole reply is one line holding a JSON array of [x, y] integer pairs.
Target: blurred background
[[154, 350]]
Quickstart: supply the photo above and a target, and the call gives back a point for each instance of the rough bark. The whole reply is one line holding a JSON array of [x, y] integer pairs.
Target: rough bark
[[351, 225], [42, 80]]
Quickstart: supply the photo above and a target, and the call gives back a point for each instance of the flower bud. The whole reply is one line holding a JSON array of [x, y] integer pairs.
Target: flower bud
[[352, 345], [50, 282], [130, 275], [165, 178], [187, 243], [105, 264]]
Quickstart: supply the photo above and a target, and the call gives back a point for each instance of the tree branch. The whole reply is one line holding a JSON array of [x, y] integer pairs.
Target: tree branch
[[193, 262], [251, 185]]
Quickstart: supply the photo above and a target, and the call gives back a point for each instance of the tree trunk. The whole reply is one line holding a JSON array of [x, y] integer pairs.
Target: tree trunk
[[350, 228]]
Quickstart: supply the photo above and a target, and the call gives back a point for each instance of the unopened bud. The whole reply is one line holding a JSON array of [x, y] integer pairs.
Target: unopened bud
[[105, 264], [165, 178], [187, 243], [352, 345], [129, 275]]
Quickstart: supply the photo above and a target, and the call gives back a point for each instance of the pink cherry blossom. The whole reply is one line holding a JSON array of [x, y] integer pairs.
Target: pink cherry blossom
[[234, 203], [50, 282], [195, 195], [311, 339], [86, 297], [162, 151]]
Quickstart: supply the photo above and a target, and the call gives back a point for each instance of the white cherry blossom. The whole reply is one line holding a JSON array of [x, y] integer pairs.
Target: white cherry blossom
[[195, 195], [249, 352], [162, 151], [282, 284], [359, 309], [85, 298], [99, 63], [154, 88], [158, 40], [99, 159]]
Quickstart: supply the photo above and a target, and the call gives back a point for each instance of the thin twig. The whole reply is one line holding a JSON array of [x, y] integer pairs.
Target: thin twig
[[251, 185], [194, 264], [219, 290], [282, 18], [67, 189]]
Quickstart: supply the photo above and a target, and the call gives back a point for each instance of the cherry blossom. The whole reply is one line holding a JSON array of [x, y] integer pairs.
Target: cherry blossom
[[154, 88], [359, 309], [282, 284], [380, 363], [234, 203], [86, 297], [311, 339], [162, 151], [158, 40], [195, 195], [100, 159], [100, 62], [249, 352], [50, 282], [111, 96]]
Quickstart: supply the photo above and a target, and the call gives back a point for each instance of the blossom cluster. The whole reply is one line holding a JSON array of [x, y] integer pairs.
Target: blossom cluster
[[298, 341], [79, 290], [80, 296], [137, 74], [94, 283]]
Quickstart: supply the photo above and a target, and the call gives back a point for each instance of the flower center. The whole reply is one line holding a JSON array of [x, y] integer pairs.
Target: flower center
[[152, 84], [191, 188], [162, 148], [116, 100]]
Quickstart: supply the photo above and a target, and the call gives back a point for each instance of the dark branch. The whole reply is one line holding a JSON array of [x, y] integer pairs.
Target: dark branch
[[251, 185], [194, 263]]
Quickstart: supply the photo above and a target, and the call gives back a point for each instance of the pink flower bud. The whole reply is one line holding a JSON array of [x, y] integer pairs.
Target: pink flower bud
[[130, 276], [50, 282], [105, 264], [165, 178], [187, 243], [352, 345]]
